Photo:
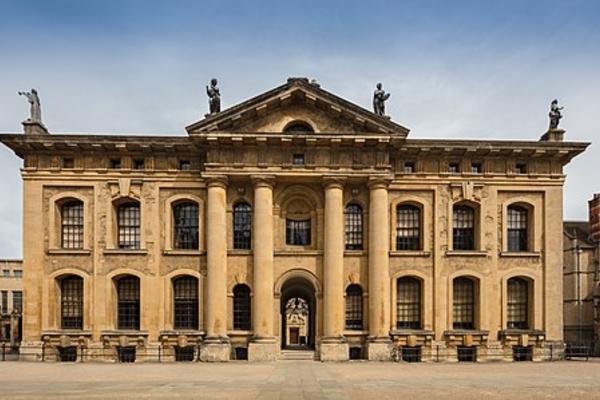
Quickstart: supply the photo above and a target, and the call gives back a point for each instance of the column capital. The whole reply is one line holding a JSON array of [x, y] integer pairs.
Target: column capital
[[378, 182], [263, 181], [334, 181], [217, 181]]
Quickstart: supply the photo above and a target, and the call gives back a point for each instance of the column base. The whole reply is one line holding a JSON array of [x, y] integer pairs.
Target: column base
[[334, 349], [263, 349], [379, 349], [215, 350]]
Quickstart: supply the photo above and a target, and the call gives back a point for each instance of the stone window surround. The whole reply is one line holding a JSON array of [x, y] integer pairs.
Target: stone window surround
[[426, 298], [533, 236], [112, 226], [480, 297], [534, 293], [52, 296], [169, 224], [54, 223], [168, 307], [407, 199], [478, 235]]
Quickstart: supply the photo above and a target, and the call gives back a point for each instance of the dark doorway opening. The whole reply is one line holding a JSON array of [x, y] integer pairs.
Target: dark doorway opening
[[298, 314]]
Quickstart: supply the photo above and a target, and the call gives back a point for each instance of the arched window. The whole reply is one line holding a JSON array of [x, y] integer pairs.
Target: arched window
[[463, 305], [185, 302], [128, 303], [408, 303], [242, 226], [518, 304], [298, 127], [241, 308], [185, 223], [354, 226], [354, 307], [71, 302], [71, 214], [128, 221], [517, 229], [463, 232], [408, 227]]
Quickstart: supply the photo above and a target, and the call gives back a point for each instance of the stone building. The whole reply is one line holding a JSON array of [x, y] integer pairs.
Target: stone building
[[191, 246], [11, 301], [581, 280]]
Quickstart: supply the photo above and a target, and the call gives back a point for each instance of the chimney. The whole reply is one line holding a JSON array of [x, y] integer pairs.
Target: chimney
[[594, 207]]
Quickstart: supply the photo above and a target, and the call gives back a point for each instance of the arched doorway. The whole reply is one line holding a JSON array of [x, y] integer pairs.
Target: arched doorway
[[298, 314]]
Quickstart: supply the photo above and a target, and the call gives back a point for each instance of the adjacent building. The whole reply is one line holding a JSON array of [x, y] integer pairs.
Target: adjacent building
[[295, 207], [582, 279], [11, 301]]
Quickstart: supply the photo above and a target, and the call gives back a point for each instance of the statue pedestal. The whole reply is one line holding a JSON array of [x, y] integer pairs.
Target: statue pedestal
[[34, 128], [553, 135]]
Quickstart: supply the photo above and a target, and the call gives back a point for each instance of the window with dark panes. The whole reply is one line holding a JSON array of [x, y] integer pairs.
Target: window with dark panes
[[521, 168], [463, 305], [71, 215], [128, 299], [353, 220], [408, 303], [185, 298], [185, 224], [242, 226], [518, 304], [298, 159], [128, 220], [115, 163], [463, 232], [185, 165], [476, 168], [241, 308], [409, 167], [454, 168], [354, 307], [71, 302], [297, 233], [68, 162], [408, 227], [4, 301], [517, 229], [139, 163], [17, 300]]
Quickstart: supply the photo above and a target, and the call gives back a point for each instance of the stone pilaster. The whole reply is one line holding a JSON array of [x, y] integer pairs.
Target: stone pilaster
[[263, 346], [333, 344], [216, 346], [378, 345]]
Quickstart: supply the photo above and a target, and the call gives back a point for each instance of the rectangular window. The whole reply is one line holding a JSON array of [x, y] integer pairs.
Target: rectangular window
[[521, 168], [126, 354], [476, 168], [454, 168], [297, 232], [138, 163], [128, 291], [466, 353], [463, 305], [298, 159], [115, 163], [463, 232], [408, 227], [5, 301], [411, 354], [17, 301], [517, 229], [67, 354], [72, 225], [6, 273], [68, 162], [185, 165], [184, 353], [408, 303], [522, 353], [409, 167], [18, 273], [129, 226]]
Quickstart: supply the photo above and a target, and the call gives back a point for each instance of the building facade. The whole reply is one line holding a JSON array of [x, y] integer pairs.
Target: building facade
[[582, 279], [196, 246], [11, 301]]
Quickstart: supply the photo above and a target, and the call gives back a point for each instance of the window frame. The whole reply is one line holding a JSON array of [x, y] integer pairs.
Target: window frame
[[462, 239], [520, 234], [186, 302], [73, 305], [242, 307], [242, 215], [354, 308], [136, 229], [294, 230], [353, 226], [413, 242], [185, 240], [409, 306], [520, 306], [129, 306], [469, 305], [77, 229]]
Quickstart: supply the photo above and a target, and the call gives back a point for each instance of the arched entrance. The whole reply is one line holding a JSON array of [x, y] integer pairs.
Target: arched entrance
[[298, 314]]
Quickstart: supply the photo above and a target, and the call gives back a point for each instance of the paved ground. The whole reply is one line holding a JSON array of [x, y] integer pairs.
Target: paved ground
[[291, 380]]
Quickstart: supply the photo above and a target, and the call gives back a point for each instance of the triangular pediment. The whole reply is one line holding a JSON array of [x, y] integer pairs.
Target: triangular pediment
[[297, 101]]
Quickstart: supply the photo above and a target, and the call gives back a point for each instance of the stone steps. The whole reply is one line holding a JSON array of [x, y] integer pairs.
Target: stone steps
[[298, 355]]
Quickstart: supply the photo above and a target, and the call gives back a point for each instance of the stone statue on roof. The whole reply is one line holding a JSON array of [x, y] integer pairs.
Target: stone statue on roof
[[379, 98], [555, 114], [35, 109], [214, 97]]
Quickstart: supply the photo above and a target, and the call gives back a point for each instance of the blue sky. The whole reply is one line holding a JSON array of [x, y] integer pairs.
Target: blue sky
[[456, 69]]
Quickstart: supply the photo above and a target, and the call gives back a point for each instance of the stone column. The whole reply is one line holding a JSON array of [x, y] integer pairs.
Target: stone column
[[216, 346], [333, 344], [263, 346], [378, 345]]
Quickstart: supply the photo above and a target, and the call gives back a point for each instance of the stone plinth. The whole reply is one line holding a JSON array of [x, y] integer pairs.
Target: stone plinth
[[379, 349], [263, 350], [215, 350], [334, 349], [34, 128], [553, 135]]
